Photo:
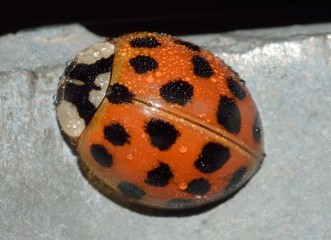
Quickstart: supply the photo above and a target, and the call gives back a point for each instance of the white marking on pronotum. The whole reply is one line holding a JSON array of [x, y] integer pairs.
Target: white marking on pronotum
[[96, 96], [72, 124], [95, 53]]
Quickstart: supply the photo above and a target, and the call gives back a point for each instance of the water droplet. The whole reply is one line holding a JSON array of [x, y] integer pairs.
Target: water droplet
[[143, 135], [158, 74], [183, 148], [96, 54], [242, 82], [150, 79], [203, 166], [182, 186], [129, 156]]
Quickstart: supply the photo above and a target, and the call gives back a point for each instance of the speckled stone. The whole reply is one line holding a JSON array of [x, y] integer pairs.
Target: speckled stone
[[43, 191]]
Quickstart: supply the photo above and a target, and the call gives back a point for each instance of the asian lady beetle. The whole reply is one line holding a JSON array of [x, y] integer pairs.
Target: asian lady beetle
[[160, 120]]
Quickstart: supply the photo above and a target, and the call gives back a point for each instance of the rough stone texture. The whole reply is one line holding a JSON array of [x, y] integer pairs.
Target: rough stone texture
[[44, 195]]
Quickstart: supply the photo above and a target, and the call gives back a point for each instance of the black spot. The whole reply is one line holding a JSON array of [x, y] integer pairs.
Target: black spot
[[228, 114], [88, 72], [212, 157], [177, 91], [116, 134], [198, 186], [188, 45], [79, 94], [159, 176], [162, 134], [101, 155], [131, 190], [202, 67], [236, 179], [144, 42], [143, 64], [257, 128], [242, 82], [233, 71], [118, 94], [181, 203], [236, 88]]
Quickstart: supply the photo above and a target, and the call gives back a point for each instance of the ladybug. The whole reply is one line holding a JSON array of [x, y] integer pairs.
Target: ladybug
[[160, 120]]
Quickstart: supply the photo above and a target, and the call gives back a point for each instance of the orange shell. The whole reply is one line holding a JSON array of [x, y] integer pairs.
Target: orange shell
[[177, 127]]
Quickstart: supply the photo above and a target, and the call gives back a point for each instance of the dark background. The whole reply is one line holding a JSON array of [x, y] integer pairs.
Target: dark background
[[112, 18]]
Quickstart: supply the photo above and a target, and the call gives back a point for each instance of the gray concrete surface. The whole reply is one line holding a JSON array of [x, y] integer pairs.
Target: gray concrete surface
[[44, 195]]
